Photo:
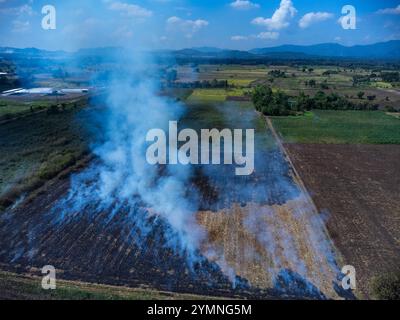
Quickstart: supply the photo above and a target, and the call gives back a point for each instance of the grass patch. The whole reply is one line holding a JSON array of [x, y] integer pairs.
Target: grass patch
[[240, 82], [7, 110], [208, 95], [347, 127], [381, 84], [13, 286], [10, 109], [214, 95]]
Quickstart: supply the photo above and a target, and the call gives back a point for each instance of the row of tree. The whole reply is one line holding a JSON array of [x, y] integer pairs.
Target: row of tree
[[279, 103], [204, 84], [390, 76], [384, 76], [277, 74]]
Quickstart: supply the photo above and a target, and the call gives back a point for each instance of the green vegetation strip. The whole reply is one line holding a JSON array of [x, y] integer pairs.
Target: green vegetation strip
[[23, 287], [214, 95], [339, 127]]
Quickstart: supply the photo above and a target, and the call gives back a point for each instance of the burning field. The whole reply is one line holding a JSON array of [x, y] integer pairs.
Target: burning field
[[252, 249], [197, 229], [205, 232]]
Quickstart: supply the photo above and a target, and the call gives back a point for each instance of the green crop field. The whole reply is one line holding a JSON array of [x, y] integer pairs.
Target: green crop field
[[240, 82], [214, 95], [10, 109], [208, 95], [348, 127]]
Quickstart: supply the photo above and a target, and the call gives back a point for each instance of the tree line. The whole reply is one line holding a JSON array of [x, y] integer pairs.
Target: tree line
[[204, 84], [278, 103], [376, 75]]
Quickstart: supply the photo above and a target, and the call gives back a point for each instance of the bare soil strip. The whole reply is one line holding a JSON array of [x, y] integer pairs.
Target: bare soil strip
[[358, 188]]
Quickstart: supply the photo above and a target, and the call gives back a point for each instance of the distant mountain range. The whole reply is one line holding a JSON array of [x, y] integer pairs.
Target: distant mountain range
[[383, 50], [388, 50]]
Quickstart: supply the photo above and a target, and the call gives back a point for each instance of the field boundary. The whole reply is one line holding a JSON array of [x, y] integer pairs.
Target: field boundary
[[301, 184]]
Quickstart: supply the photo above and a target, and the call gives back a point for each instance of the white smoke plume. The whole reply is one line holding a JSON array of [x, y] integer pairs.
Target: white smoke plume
[[122, 179]]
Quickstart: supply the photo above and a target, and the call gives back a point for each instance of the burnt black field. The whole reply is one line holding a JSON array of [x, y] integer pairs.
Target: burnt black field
[[108, 245]]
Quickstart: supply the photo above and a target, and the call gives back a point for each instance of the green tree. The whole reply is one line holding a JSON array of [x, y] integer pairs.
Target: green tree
[[304, 102], [261, 97], [270, 103]]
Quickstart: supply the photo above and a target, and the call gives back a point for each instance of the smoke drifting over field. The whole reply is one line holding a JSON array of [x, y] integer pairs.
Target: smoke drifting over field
[[122, 179], [124, 216]]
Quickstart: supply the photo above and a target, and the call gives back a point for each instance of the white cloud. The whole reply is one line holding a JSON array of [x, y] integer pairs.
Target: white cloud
[[395, 10], [22, 14], [20, 26], [244, 5], [130, 10], [19, 11], [188, 27], [239, 38], [280, 18], [313, 17], [26, 9], [268, 35]]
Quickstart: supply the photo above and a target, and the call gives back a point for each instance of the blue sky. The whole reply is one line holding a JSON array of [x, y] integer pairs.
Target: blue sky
[[173, 24]]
